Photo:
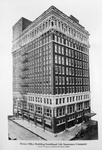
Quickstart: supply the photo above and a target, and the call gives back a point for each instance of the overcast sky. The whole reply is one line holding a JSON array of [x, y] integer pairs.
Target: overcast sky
[[89, 14]]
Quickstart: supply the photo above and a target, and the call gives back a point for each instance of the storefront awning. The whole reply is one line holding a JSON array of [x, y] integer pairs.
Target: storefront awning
[[90, 114]]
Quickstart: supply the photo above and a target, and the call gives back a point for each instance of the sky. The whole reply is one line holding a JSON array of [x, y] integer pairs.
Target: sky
[[89, 14]]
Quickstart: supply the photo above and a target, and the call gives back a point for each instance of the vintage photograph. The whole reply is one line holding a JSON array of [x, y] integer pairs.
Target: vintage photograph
[[51, 74], [51, 79]]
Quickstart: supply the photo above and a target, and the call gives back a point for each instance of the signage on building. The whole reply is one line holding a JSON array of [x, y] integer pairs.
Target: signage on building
[[47, 122]]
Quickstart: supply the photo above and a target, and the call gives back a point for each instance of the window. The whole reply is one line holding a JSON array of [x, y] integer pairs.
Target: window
[[63, 90], [70, 71], [56, 101], [66, 51], [47, 112], [38, 109], [59, 58], [67, 89], [59, 39], [56, 90], [60, 100], [60, 80], [67, 80], [60, 90], [56, 80], [72, 62], [62, 41], [56, 59], [70, 52], [59, 49], [59, 69], [67, 99], [63, 80], [55, 48], [63, 50], [63, 100], [63, 60], [67, 61], [63, 70], [60, 112], [56, 69], [66, 70], [50, 101]]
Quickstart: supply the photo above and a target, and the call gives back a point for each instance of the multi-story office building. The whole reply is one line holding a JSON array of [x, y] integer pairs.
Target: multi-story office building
[[51, 82]]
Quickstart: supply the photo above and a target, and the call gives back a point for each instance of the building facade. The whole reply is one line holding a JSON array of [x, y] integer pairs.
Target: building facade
[[51, 78]]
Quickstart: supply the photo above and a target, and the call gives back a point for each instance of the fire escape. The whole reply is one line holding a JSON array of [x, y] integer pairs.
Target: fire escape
[[24, 81]]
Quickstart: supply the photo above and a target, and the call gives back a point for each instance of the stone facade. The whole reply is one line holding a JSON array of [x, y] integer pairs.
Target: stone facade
[[51, 80]]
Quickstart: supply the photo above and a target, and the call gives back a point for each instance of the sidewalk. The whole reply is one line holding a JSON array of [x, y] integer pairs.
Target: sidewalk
[[65, 135]]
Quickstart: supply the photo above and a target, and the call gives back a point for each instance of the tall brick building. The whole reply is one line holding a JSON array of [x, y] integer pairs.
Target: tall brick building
[[51, 79]]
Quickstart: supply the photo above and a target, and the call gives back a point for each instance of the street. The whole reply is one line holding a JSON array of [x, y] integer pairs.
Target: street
[[17, 132]]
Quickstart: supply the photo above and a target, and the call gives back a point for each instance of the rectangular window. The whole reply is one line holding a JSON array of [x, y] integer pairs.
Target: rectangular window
[[60, 90], [70, 71], [66, 51], [63, 70], [56, 101], [63, 50], [56, 48], [59, 39], [59, 80], [62, 60], [63, 80], [67, 61], [60, 100], [66, 70], [56, 69], [72, 62], [67, 89], [56, 80], [72, 53], [69, 52], [59, 49], [63, 90], [56, 61], [59, 69], [59, 58], [56, 90], [67, 80]]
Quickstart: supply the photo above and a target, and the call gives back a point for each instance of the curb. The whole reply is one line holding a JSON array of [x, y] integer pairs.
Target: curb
[[28, 130]]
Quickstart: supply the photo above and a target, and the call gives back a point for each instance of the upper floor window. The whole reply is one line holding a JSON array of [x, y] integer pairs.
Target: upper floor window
[[59, 58], [63, 50], [56, 61], [63, 60], [56, 69], [56, 48], [59, 49], [63, 70], [66, 51]]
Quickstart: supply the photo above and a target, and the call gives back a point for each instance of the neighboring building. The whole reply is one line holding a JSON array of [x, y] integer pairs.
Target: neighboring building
[[51, 79]]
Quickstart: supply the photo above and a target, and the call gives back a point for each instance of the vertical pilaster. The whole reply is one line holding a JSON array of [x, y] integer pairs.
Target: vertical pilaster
[[65, 117], [43, 117]]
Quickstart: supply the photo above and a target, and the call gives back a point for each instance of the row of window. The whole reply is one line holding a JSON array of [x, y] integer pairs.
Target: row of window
[[65, 41], [70, 62], [69, 52], [71, 89], [71, 99], [60, 80]]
